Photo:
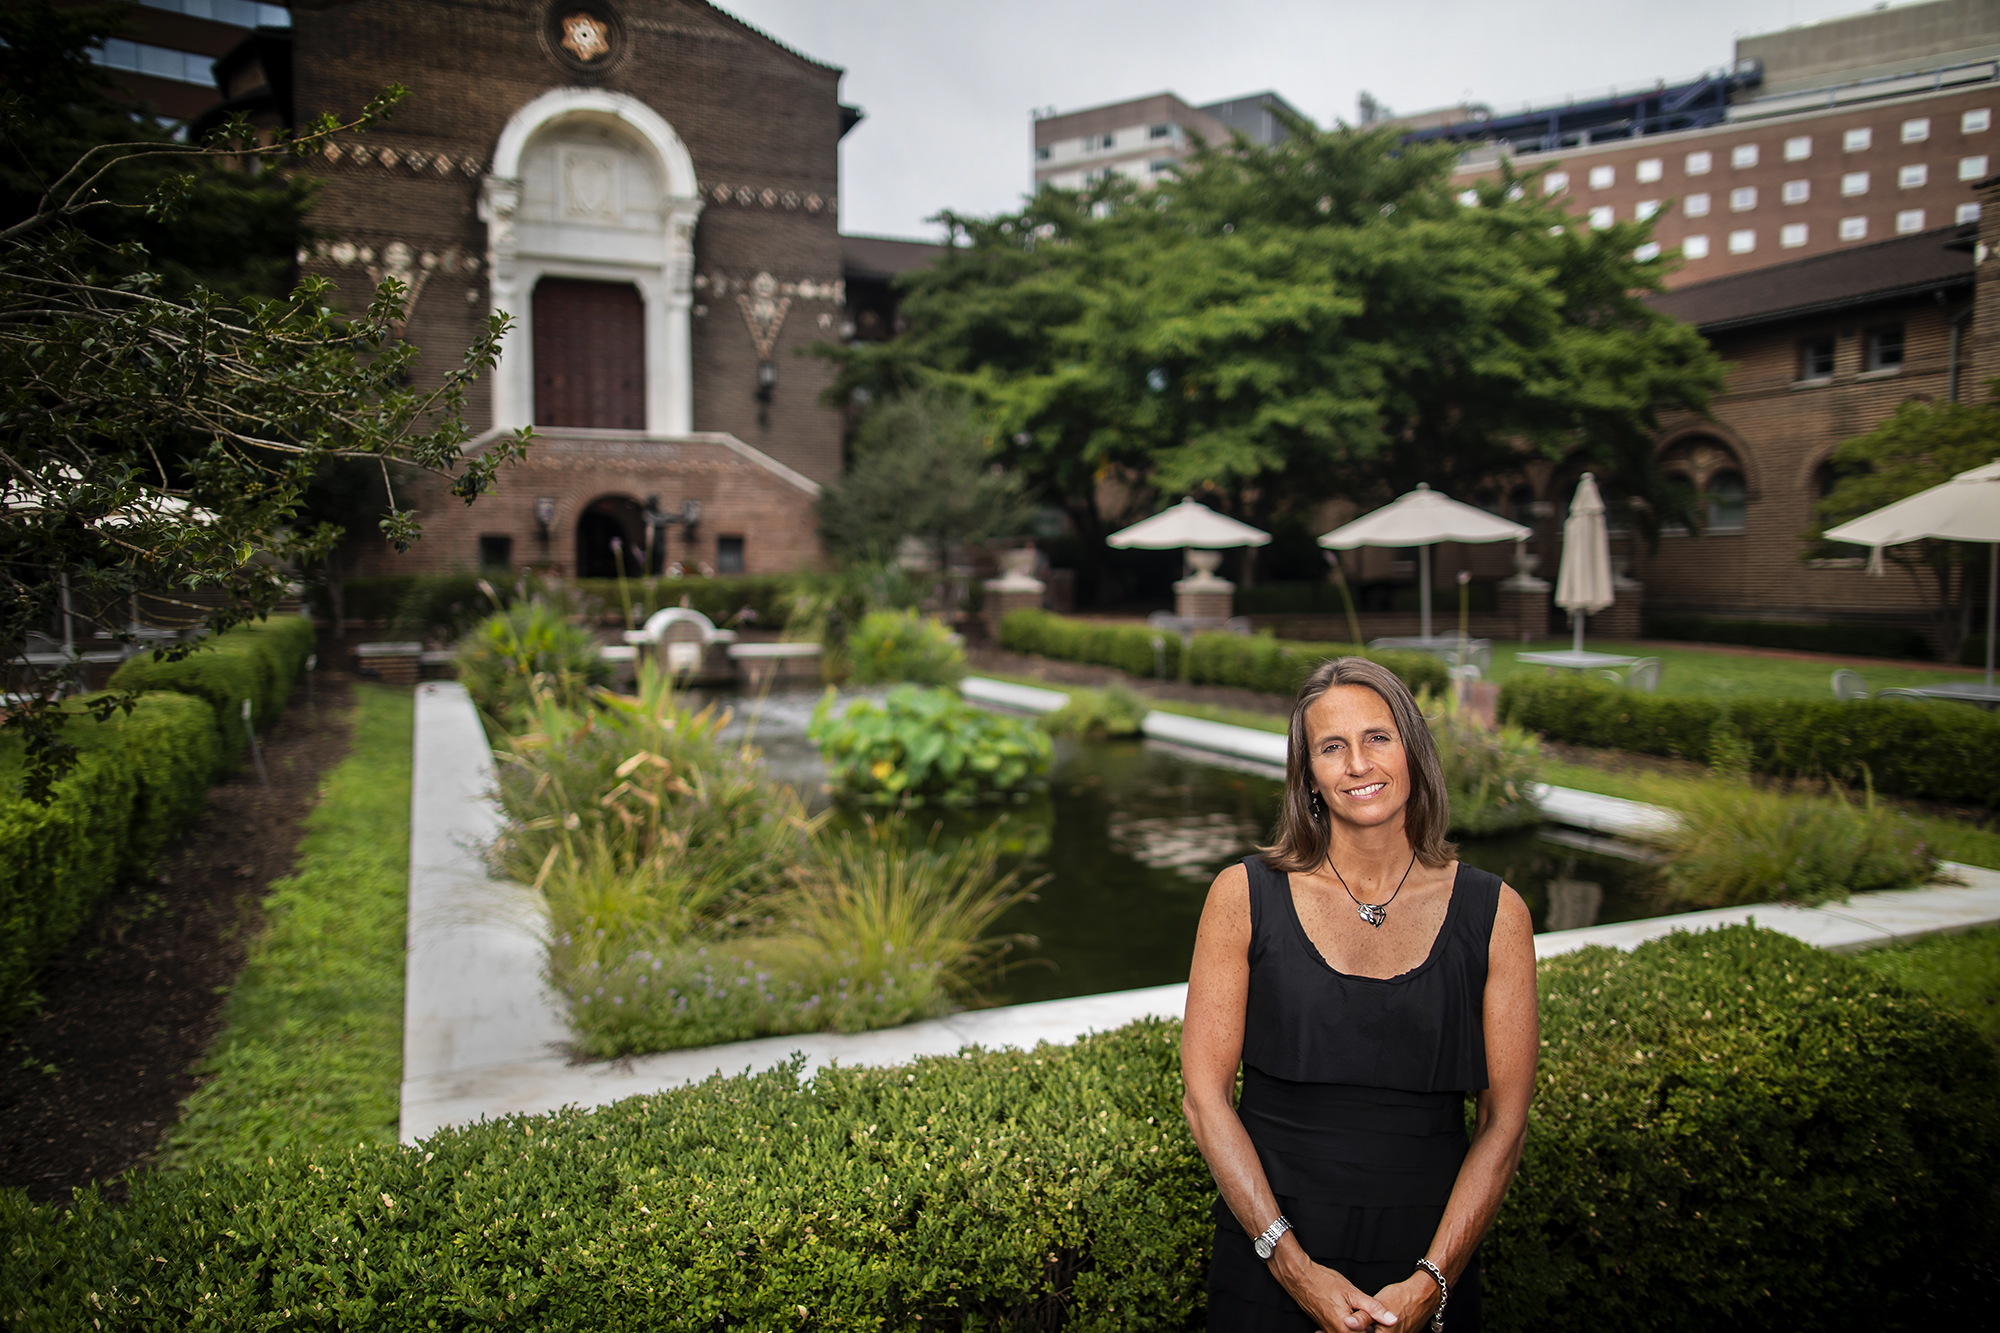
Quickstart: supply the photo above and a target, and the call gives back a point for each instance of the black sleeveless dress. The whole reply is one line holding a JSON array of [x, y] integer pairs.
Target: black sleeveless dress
[[1354, 1095]]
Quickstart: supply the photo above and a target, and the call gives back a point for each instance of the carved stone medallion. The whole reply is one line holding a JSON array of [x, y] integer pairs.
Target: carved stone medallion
[[586, 37]]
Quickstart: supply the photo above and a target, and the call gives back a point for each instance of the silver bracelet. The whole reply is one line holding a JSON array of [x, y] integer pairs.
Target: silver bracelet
[[1444, 1294], [1267, 1244]]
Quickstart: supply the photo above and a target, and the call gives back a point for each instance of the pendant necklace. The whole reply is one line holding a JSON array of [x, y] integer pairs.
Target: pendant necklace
[[1373, 913]]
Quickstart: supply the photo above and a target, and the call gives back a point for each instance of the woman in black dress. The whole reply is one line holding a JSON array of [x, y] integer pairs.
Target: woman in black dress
[[1365, 980]]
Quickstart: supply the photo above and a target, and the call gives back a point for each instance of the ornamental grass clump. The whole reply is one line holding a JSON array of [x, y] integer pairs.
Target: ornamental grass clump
[[927, 747], [692, 900], [892, 646], [1490, 773], [530, 647], [1736, 843]]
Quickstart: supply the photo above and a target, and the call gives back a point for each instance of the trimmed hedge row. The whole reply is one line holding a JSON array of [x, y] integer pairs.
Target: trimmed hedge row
[[1729, 1126], [1939, 752], [1250, 662], [1852, 640], [447, 604], [259, 661], [141, 778]]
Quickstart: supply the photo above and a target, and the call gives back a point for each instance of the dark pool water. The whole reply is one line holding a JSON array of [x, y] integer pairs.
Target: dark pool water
[[1135, 831]]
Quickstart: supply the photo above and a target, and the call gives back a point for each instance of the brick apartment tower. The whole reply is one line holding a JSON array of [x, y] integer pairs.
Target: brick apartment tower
[[649, 189]]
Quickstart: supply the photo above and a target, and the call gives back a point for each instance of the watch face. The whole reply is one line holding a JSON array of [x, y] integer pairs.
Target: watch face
[[1264, 1248]]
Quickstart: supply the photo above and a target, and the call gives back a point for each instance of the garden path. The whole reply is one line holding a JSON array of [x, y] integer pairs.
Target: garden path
[[483, 1034]]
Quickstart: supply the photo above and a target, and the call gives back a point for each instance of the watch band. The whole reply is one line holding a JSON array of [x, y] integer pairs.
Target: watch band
[[1267, 1244]]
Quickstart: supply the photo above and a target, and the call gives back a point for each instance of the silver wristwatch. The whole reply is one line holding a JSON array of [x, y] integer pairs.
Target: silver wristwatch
[[1267, 1244]]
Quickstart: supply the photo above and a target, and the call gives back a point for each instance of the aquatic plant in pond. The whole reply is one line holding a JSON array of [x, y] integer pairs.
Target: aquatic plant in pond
[[1098, 715], [892, 646], [1489, 772], [926, 747], [692, 899]]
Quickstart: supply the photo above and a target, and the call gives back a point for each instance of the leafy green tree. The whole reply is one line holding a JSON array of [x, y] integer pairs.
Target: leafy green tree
[[157, 442], [1921, 446], [922, 468], [1284, 324]]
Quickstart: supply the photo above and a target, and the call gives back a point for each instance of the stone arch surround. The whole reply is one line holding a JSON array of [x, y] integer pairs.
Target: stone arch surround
[[593, 184]]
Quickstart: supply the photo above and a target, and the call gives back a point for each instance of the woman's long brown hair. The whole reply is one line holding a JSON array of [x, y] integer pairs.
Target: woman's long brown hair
[[1301, 841]]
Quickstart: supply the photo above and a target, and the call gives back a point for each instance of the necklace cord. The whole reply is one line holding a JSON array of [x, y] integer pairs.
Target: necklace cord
[[1383, 907]]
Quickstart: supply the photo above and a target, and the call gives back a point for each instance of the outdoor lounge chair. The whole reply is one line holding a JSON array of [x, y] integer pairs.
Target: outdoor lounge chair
[[1848, 685], [1902, 694], [1644, 674]]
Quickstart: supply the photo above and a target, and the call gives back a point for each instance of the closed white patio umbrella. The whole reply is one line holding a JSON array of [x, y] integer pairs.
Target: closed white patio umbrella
[[1422, 518], [1583, 585], [1964, 509]]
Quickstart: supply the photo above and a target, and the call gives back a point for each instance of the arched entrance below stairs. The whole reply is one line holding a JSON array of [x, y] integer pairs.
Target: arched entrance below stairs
[[605, 518]]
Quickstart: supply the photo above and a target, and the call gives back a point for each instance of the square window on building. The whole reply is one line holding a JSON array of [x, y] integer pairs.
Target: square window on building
[[729, 555], [1696, 206], [1647, 171], [1854, 229], [1159, 132], [496, 553], [1650, 250], [1695, 247], [1816, 358], [1917, 129], [1042, 153], [1160, 164], [1884, 348], [1743, 155], [1792, 235], [1105, 141], [1797, 192], [1603, 178], [1555, 182], [1742, 242], [1743, 200], [1700, 164], [1968, 213], [1798, 149], [1854, 182], [1972, 168], [1912, 177], [1602, 216], [1909, 220], [1645, 208], [1470, 198], [1972, 122], [1855, 141]]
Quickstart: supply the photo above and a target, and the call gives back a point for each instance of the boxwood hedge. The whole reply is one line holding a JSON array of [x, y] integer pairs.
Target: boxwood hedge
[[1729, 1127], [1270, 666], [1939, 752], [140, 778], [259, 661]]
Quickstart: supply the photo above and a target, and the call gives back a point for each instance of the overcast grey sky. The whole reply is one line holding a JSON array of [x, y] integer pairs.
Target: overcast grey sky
[[949, 85]]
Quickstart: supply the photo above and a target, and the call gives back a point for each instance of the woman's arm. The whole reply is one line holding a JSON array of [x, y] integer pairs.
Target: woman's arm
[[1513, 1044], [1211, 1050]]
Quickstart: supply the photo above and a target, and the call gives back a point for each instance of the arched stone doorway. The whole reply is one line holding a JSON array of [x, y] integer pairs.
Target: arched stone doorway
[[602, 520]]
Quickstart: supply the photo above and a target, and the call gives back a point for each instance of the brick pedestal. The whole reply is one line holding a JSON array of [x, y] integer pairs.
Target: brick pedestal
[[1204, 597], [392, 663], [1011, 593], [1524, 607]]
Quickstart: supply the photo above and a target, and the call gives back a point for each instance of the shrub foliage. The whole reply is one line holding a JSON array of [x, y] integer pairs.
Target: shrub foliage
[[1933, 752], [1729, 1127], [259, 662], [926, 747], [891, 646], [1270, 666]]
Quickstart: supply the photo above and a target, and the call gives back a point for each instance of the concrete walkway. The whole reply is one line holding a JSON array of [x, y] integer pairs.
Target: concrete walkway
[[483, 1033]]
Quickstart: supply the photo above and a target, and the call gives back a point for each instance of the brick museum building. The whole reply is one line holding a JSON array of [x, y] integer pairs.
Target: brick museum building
[[649, 188]]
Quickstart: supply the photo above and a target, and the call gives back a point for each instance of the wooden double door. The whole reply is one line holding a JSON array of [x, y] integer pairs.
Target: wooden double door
[[590, 354]]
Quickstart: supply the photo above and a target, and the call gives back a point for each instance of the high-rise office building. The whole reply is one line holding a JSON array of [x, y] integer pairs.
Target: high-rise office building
[[1146, 137]]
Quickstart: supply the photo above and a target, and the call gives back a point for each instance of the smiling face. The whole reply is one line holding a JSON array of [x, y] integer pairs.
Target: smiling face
[[1358, 763]]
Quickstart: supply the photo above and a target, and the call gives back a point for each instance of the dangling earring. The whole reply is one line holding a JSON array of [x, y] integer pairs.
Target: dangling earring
[[1318, 805]]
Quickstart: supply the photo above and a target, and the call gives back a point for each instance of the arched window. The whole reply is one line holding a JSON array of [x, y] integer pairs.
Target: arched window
[[1727, 500]]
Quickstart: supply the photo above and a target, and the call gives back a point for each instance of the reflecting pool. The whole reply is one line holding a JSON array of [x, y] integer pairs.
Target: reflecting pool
[[1134, 832]]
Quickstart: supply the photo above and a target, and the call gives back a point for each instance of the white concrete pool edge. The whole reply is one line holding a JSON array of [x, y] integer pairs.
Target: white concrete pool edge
[[483, 1034]]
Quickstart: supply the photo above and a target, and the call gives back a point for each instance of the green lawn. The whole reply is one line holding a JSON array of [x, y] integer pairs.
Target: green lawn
[[311, 1051], [1701, 672], [1962, 971]]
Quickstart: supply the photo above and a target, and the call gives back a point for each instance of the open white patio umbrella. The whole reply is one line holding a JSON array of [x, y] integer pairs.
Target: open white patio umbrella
[[1421, 519], [1964, 509], [1188, 525], [1583, 585]]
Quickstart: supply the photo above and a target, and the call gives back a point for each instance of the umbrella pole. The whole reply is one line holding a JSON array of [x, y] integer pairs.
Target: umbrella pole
[[1576, 618], [1992, 603], [1424, 577]]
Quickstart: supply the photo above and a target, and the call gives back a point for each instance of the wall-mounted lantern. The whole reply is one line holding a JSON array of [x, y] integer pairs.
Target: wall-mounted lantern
[[545, 514], [767, 380]]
